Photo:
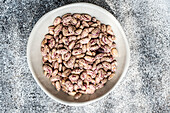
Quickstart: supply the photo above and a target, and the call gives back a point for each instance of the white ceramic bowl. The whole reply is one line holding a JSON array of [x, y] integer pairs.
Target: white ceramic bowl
[[34, 57]]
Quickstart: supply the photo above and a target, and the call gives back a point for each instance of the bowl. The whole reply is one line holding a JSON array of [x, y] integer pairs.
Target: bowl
[[34, 57]]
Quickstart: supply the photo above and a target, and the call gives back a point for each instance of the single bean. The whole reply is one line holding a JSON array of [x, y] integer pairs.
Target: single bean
[[84, 33], [103, 28], [58, 29], [85, 17], [51, 43], [71, 29], [95, 33], [44, 42], [51, 30], [111, 76], [94, 19], [48, 36], [72, 93], [57, 21], [78, 31], [85, 24], [77, 71], [58, 86], [55, 78], [99, 56], [114, 52], [66, 20], [77, 96], [98, 86], [66, 73], [71, 45], [106, 65], [75, 87], [84, 48], [107, 59], [67, 56], [71, 62], [94, 47], [76, 15], [113, 66], [83, 75], [55, 72], [112, 38], [47, 68], [89, 58], [77, 51], [74, 21], [80, 56], [106, 48], [109, 30], [78, 24], [73, 78], [60, 67]]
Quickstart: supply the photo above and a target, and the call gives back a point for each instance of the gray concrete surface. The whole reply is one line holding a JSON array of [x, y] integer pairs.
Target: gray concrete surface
[[144, 89]]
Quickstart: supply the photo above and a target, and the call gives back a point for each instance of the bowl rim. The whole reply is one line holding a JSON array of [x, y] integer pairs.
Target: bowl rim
[[116, 84]]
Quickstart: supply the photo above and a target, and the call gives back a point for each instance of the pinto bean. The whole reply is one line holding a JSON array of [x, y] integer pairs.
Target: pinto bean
[[66, 73], [103, 28], [55, 72], [83, 75], [73, 78], [77, 51], [58, 29], [113, 66], [55, 78], [77, 96], [66, 20], [78, 24], [57, 21], [78, 31], [100, 85], [94, 47], [80, 56], [58, 86], [76, 15], [71, 62], [67, 56], [77, 71], [84, 33], [71, 29], [109, 30], [74, 21], [107, 65], [85, 40], [114, 52], [95, 33], [85, 24], [107, 59], [47, 68], [51, 43], [89, 58], [72, 93], [99, 56], [111, 76], [85, 17], [71, 45], [61, 51], [106, 48], [51, 30]]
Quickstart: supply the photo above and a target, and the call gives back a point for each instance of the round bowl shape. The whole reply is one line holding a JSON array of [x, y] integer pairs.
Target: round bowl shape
[[34, 57]]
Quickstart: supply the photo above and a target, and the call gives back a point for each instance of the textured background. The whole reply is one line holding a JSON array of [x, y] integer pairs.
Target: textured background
[[146, 86]]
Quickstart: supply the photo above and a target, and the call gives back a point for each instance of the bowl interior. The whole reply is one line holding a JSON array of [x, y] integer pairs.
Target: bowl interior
[[35, 58]]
